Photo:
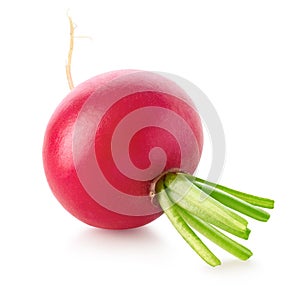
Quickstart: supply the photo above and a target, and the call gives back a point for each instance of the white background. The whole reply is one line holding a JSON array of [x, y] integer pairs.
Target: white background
[[244, 55]]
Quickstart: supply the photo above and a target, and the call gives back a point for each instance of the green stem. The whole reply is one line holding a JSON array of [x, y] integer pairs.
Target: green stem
[[216, 236], [235, 203], [198, 203], [190, 202], [254, 200], [185, 231]]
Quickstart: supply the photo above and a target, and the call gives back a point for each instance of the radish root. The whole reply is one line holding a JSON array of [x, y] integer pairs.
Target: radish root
[[70, 53]]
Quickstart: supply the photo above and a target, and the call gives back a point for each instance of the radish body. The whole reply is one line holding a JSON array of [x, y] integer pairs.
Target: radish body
[[110, 137]]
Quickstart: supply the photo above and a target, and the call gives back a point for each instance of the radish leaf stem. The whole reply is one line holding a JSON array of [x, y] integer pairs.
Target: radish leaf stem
[[254, 200], [235, 203], [216, 236], [192, 203], [185, 231], [203, 206]]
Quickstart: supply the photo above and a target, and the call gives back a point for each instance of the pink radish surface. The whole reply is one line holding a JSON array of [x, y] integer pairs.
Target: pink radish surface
[[110, 137]]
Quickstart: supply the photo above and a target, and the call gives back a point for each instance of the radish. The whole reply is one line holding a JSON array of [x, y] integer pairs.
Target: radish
[[85, 154], [121, 149]]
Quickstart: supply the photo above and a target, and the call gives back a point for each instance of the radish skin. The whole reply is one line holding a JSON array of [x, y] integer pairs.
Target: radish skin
[[79, 161]]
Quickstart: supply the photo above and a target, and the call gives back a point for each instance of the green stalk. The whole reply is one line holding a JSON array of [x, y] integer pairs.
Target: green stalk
[[254, 200], [234, 203], [190, 202], [216, 236], [184, 230], [185, 194]]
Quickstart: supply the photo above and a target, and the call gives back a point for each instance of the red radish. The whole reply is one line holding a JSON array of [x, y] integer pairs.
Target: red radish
[[120, 150], [70, 137]]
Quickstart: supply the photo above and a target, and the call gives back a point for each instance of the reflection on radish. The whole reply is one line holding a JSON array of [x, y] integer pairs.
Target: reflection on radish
[[122, 148]]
